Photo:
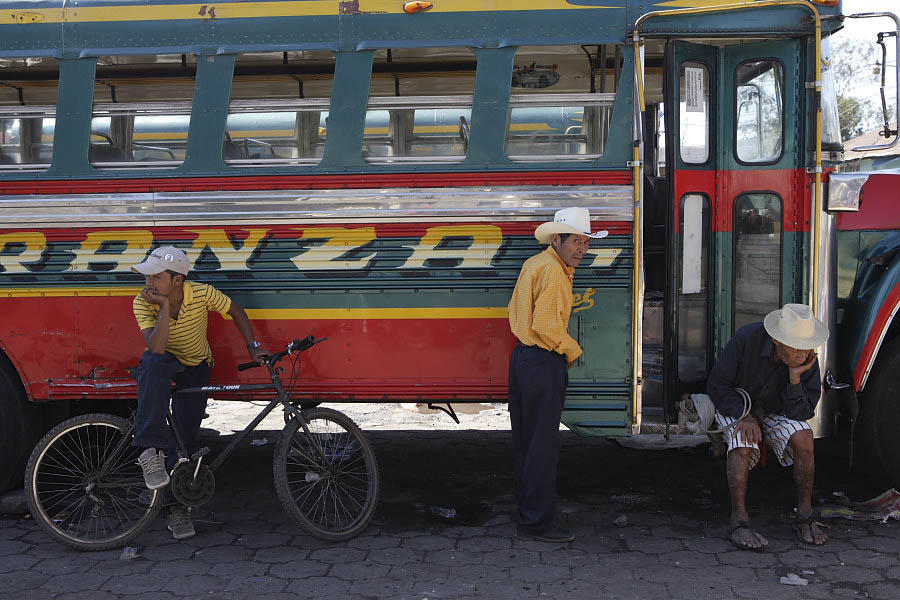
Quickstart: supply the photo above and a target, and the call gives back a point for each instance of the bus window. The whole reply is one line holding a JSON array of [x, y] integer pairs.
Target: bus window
[[27, 113], [560, 105], [757, 256], [693, 315], [759, 111], [693, 118], [282, 118], [415, 116], [141, 120]]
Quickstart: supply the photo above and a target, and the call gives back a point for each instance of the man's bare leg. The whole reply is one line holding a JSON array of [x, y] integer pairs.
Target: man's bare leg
[[804, 472], [738, 475]]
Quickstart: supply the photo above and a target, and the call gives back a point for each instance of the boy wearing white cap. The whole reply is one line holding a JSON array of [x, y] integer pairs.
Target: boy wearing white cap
[[775, 362], [177, 350], [539, 313]]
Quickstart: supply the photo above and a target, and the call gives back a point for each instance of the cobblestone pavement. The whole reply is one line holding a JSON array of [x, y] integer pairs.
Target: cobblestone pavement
[[649, 524]]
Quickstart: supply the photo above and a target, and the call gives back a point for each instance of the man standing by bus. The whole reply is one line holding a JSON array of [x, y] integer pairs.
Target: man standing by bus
[[177, 349], [775, 363], [539, 313]]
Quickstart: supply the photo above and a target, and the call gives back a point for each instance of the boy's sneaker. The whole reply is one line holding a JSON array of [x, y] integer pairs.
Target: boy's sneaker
[[153, 464], [179, 522]]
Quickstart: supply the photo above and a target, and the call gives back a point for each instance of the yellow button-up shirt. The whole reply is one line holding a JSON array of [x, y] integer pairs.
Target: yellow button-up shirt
[[541, 304]]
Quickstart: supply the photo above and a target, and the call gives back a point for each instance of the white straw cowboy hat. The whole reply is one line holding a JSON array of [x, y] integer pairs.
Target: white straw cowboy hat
[[568, 220], [795, 326]]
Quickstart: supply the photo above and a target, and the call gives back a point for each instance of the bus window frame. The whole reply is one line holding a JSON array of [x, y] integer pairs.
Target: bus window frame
[[734, 113], [707, 207], [734, 252]]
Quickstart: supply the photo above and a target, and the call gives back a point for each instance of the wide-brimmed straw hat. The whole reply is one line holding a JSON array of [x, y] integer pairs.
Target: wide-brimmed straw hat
[[795, 326], [568, 220]]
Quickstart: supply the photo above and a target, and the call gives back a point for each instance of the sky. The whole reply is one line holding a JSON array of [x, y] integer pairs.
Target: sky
[[866, 30]]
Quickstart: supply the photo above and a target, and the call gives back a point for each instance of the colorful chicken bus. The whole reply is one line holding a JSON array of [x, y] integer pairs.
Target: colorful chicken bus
[[373, 172]]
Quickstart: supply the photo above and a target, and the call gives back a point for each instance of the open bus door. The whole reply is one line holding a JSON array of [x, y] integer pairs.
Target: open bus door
[[739, 201]]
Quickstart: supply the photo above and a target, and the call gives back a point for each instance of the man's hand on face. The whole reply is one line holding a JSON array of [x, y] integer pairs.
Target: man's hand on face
[[749, 427], [153, 298], [796, 372]]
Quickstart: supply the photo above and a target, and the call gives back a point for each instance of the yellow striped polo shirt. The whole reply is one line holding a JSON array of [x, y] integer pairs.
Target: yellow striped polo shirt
[[187, 333]]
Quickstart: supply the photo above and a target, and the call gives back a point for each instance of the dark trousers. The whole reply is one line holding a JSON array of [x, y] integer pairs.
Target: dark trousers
[[537, 392], [155, 377]]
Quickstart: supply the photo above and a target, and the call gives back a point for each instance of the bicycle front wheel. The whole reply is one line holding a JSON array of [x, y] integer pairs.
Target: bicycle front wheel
[[84, 485], [327, 480]]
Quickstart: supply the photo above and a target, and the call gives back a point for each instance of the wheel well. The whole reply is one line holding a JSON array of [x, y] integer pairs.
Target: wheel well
[[7, 365]]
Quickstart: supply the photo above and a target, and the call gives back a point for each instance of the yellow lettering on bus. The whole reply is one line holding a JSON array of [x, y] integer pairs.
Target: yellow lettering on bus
[[34, 242], [339, 241], [486, 241], [136, 243], [603, 257], [231, 257], [584, 301]]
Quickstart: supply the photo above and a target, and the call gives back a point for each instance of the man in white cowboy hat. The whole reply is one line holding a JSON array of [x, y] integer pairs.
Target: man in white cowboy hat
[[539, 313], [176, 350], [775, 362]]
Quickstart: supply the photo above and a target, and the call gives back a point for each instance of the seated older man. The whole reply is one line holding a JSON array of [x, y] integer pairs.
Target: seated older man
[[776, 364]]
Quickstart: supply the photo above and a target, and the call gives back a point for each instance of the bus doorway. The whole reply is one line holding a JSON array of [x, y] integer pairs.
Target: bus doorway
[[737, 232]]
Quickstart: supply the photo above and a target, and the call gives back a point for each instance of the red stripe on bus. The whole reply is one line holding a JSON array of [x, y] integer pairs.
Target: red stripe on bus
[[792, 185], [879, 206], [882, 322], [277, 182]]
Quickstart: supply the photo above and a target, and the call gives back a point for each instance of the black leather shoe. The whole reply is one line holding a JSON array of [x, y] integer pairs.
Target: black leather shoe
[[552, 534]]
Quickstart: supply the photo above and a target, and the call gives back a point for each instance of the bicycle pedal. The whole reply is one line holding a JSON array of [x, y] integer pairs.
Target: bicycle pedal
[[200, 453]]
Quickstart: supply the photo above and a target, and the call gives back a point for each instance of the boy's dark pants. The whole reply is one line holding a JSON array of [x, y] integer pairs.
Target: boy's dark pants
[[537, 392]]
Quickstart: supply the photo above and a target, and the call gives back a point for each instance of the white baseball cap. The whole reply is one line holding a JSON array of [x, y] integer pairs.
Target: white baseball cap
[[164, 258]]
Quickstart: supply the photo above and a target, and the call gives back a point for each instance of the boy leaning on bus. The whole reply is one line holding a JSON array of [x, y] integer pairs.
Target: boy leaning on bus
[[539, 313], [176, 350], [775, 363]]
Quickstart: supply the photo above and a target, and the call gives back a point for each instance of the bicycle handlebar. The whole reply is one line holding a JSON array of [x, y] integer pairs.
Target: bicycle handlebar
[[297, 345]]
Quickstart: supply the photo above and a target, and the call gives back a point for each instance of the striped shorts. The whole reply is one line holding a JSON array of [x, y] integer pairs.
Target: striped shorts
[[776, 431]]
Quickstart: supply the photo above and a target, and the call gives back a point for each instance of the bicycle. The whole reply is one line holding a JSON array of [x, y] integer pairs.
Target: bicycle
[[85, 487]]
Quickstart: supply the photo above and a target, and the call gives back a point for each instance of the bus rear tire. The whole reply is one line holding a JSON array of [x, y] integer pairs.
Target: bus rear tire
[[881, 408], [20, 427]]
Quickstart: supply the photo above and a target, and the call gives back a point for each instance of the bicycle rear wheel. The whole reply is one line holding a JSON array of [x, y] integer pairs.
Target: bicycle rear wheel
[[327, 481], [69, 497]]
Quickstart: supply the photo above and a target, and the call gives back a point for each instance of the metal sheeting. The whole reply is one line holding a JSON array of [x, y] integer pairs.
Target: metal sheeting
[[606, 203]]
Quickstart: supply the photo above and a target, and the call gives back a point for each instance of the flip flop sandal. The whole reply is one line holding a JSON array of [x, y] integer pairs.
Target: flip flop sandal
[[743, 525], [800, 522]]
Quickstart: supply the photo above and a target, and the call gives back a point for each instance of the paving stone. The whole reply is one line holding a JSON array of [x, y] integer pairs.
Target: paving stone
[[337, 554], [463, 532], [239, 569], [94, 595], [539, 572], [157, 595], [298, 569], [630, 590], [262, 540], [11, 547], [219, 554], [883, 591], [16, 562], [747, 558], [181, 568], [770, 590], [867, 558], [505, 589], [568, 557], [357, 571], [136, 584], [453, 558], [15, 583], [429, 543], [484, 544], [893, 572], [700, 589], [419, 572], [707, 545], [64, 565], [280, 554], [688, 558], [451, 588], [118, 568], [248, 526], [849, 574], [249, 587], [317, 587], [373, 542], [877, 543], [167, 552], [75, 582], [11, 532], [380, 587], [193, 586], [569, 589], [511, 558], [808, 557], [396, 556], [654, 545], [208, 538]]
